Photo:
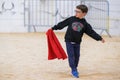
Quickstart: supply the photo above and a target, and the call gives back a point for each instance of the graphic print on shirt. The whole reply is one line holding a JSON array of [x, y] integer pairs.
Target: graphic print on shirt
[[77, 26]]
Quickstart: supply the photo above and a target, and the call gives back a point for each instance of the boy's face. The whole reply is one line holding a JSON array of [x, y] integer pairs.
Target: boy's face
[[79, 13]]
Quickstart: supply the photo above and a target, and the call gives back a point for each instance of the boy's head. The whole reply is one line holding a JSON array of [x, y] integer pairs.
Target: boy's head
[[81, 11]]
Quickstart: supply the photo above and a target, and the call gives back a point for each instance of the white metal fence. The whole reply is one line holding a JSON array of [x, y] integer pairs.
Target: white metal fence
[[46, 13]]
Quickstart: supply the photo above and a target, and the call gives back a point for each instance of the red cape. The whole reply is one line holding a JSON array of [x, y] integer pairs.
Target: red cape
[[55, 49]]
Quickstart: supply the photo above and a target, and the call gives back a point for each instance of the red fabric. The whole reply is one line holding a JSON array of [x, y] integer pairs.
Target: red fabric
[[55, 49]]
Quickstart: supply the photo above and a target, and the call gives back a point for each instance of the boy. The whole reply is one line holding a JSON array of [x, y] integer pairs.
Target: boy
[[77, 25]]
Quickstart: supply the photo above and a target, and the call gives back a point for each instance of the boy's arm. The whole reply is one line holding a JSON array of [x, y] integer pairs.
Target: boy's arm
[[89, 31], [61, 24]]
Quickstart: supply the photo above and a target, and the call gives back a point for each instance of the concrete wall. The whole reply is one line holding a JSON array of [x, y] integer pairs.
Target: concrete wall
[[114, 17], [13, 20]]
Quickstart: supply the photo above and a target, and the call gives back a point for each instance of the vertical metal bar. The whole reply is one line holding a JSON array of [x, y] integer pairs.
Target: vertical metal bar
[[35, 12], [43, 20], [39, 12], [63, 11], [55, 11], [66, 8], [108, 26], [48, 9], [59, 11], [24, 13], [72, 13], [32, 15], [29, 15]]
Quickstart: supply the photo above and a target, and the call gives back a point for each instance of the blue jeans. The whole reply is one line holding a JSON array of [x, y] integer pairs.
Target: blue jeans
[[73, 51]]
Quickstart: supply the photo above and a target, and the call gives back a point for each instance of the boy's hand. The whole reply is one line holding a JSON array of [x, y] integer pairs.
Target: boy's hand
[[103, 41]]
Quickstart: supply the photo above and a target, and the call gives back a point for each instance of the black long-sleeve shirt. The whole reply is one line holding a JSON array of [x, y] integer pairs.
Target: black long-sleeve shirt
[[76, 28]]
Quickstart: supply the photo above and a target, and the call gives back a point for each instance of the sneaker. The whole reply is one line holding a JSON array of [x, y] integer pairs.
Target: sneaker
[[75, 74]]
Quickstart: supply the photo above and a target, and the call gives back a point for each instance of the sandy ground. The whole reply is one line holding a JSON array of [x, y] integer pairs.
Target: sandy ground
[[24, 57]]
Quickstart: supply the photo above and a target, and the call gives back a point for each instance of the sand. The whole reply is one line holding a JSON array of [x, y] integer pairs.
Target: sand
[[24, 57]]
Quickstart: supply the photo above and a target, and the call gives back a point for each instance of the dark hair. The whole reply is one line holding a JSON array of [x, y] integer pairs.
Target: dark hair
[[83, 8]]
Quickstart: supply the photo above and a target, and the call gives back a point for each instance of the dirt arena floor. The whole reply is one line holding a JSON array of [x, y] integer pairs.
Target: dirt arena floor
[[24, 57]]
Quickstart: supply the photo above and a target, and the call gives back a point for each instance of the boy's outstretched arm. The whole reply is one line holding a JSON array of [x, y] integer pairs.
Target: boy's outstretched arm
[[89, 31]]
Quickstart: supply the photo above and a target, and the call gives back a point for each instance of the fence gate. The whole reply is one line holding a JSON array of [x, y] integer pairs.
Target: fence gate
[[98, 14], [46, 13]]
